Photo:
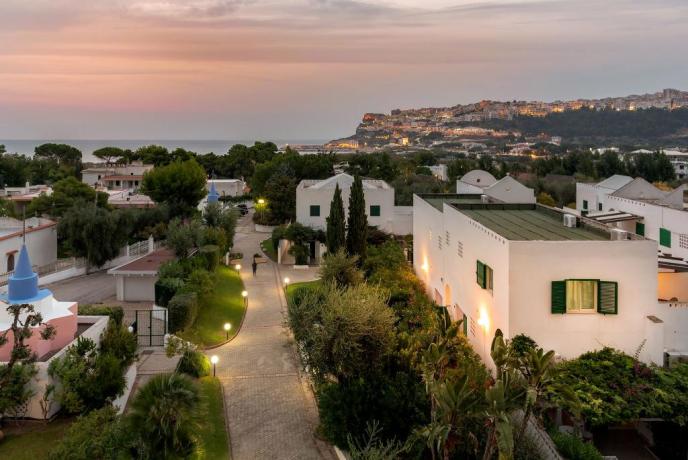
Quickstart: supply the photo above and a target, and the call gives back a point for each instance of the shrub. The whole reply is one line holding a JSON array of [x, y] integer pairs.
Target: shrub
[[115, 312], [163, 414], [182, 310], [340, 269], [172, 269], [211, 255], [88, 378], [521, 344], [200, 282], [215, 236], [166, 288], [194, 363], [573, 448], [119, 342], [101, 434], [396, 399]]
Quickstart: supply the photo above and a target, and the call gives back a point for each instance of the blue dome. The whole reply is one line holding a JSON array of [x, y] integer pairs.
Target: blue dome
[[213, 196], [23, 283]]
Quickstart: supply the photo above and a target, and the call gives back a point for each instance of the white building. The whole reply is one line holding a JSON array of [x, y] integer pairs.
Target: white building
[[439, 171], [22, 196], [116, 177], [680, 162], [636, 206], [313, 199], [41, 240], [227, 187], [525, 269], [504, 190]]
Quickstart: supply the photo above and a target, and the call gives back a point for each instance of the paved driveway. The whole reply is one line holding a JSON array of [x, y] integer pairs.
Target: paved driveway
[[270, 411], [94, 288]]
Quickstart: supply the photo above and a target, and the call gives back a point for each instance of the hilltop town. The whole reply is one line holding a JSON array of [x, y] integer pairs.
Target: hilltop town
[[488, 120]]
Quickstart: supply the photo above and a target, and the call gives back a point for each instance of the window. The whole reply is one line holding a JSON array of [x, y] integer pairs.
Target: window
[[581, 295], [374, 210], [665, 237], [315, 210], [459, 248], [599, 206], [584, 296], [640, 229], [585, 204], [484, 275]]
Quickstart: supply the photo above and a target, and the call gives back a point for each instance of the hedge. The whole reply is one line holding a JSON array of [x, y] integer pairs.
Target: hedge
[[182, 310], [194, 363], [573, 448], [113, 311], [165, 289]]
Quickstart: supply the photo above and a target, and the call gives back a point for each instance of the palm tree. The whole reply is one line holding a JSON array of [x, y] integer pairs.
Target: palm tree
[[164, 416]]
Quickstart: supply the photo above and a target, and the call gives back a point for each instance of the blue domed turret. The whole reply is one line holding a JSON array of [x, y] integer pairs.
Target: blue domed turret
[[213, 196], [23, 283]]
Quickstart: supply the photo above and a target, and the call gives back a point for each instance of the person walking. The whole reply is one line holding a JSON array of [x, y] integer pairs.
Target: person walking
[[254, 265]]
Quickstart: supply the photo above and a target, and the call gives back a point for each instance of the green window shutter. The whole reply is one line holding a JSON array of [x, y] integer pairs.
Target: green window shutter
[[585, 204], [665, 237], [464, 323], [374, 210], [480, 274], [558, 297], [640, 229], [607, 299], [315, 210]]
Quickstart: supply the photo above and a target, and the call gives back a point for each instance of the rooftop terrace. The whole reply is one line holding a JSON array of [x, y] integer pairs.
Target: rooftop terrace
[[519, 222]]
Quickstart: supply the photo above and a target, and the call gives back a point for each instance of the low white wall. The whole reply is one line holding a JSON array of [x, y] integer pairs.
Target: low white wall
[[402, 220], [121, 402]]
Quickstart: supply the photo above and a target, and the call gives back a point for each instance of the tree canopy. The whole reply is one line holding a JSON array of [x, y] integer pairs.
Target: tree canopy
[[180, 185]]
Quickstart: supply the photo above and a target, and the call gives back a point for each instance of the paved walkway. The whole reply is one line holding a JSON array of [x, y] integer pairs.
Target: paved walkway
[[270, 411]]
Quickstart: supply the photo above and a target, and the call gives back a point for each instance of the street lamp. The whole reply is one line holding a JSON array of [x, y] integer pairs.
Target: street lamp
[[228, 326], [214, 359], [286, 281], [261, 201], [244, 294], [237, 267]]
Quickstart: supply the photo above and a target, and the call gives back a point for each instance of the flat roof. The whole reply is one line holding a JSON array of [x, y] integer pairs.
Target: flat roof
[[528, 223], [437, 200]]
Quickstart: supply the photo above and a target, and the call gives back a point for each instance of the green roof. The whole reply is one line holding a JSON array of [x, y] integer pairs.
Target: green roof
[[533, 224], [438, 199]]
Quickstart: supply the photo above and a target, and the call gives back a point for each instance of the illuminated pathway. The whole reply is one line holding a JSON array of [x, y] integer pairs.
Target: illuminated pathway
[[271, 413]]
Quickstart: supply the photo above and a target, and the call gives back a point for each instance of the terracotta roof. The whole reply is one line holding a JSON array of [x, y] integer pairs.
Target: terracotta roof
[[148, 263], [46, 224]]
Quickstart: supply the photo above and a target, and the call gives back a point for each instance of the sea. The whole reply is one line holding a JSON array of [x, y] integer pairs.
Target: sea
[[87, 146]]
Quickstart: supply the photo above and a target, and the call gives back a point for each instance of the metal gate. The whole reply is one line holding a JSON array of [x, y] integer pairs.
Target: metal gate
[[151, 327]]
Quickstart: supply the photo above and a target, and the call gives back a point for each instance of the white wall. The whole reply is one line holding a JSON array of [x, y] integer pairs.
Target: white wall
[[535, 264], [41, 244], [323, 197], [136, 288], [509, 190]]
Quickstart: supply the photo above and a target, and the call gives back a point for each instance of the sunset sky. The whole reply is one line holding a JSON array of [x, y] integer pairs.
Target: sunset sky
[[308, 69]]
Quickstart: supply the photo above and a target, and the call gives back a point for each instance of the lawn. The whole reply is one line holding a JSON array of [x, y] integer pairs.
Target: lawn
[[224, 305], [213, 434], [35, 440], [292, 287], [269, 249]]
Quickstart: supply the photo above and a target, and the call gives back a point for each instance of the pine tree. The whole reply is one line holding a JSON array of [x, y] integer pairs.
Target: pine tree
[[357, 230], [336, 229]]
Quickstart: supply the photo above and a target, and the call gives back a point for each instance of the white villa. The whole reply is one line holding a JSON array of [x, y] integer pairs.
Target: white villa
[[116, 177], [227, 187], [313, 198], [568, 282], [504, 190]]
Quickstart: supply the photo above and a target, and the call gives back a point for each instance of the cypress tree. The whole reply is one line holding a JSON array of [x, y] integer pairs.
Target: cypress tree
[[357, 230], [336, 229]]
